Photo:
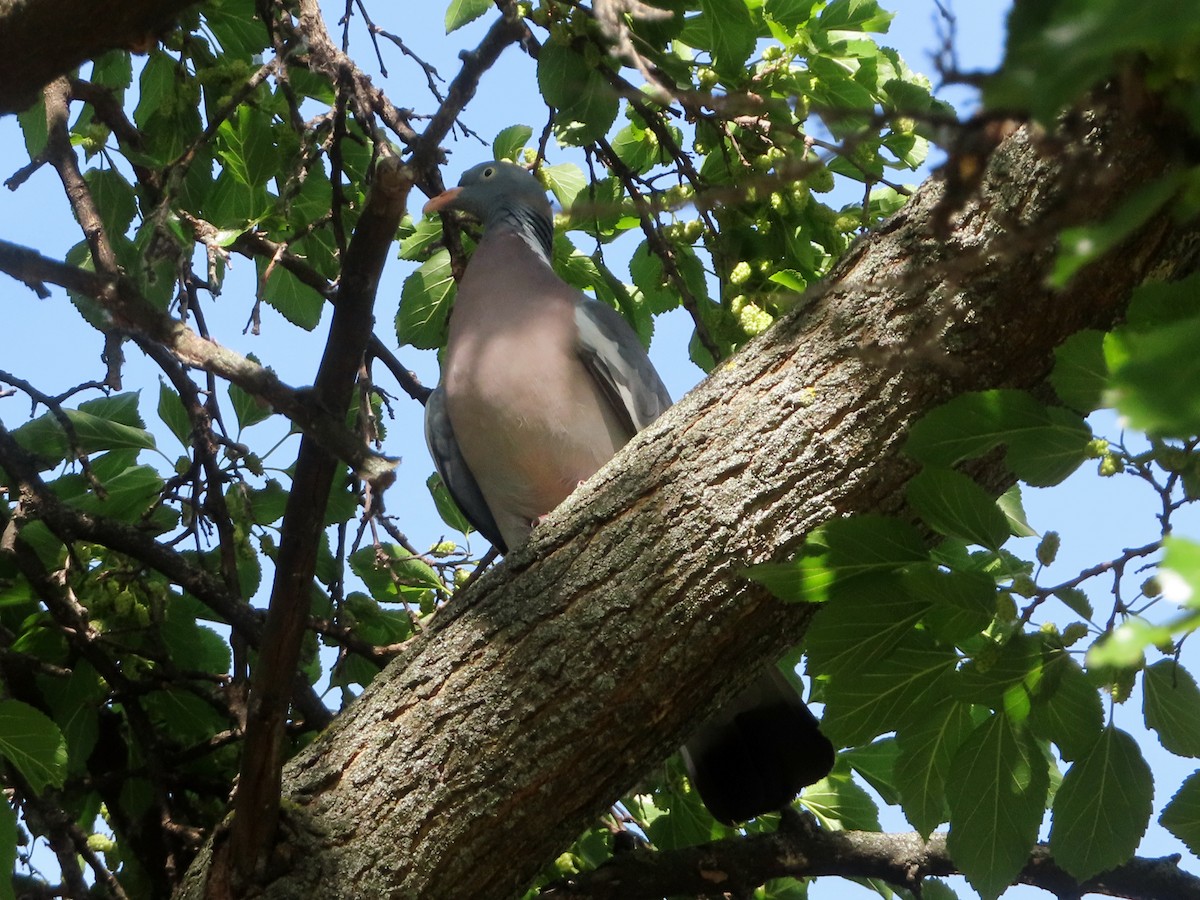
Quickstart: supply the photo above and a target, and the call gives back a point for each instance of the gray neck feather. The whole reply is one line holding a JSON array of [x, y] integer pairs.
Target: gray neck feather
[[532, 227]]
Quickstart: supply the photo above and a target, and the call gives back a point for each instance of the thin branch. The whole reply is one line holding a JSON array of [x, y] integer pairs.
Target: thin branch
[[126, 304], [743, 863]]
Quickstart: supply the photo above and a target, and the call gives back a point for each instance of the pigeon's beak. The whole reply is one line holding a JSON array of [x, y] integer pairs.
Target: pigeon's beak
[[442, 201]]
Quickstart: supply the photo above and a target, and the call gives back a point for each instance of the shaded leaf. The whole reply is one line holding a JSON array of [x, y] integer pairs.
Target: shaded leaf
[[173, 415], [299, 303], [861, 705], [956, 506], [8, 849], [1171, 705], [33, 744], [1181, 816], [1080, 372], [927, 747], [1067, 708], [1000, 780], [1087, 835]]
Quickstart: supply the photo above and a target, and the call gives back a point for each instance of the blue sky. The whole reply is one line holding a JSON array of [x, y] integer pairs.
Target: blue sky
[[45, 342]]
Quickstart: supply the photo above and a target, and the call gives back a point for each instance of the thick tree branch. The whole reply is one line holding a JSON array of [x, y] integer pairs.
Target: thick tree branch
[[42, 39], [630, 604], [258, 795], [743, 863]]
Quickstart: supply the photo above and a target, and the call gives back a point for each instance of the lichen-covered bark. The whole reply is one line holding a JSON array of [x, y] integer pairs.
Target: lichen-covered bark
[[541, 694], [42, 39]]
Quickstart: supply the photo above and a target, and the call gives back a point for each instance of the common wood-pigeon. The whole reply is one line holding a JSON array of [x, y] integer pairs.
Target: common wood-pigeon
[[540, 387]]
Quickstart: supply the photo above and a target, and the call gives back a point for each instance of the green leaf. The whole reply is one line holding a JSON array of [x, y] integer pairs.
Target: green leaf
[[1171, 705], [296, 301], [425, 302], [237, 29], [182, 716], [1014, 510], [446, 507], [841, 549], [248, 409], [33, 744], [862, 705], [129, 490], [460, 12], [565, 180], [855, 15], [1080, 373], [113, 69], [863, 621], [933, 889], [1044, 444], [1067, 708], [393, 574], [1179, 571], [956, 506], [731, 36], [789, 13], [966, 427], [927, 747], [636, 147], [1154, 367], [75, 702], [840, 804], [586, 104], [1001, 781], [268, 504], [425, 235], [1088, 834], [511, 140], [173, 415], [9, 838], [646, 268], [246, 145], [963, 603], [156, 87], [1181, 816], [684, 823], [1046, 452], [989, 677], [115, 200], [876, 764], [1082, 244], [33, 127]]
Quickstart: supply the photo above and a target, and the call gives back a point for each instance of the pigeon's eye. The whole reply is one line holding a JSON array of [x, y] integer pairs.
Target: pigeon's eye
[[489, 172]]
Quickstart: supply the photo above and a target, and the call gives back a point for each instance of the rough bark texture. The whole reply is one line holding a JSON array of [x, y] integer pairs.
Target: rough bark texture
[[42, 39], [539, 696]]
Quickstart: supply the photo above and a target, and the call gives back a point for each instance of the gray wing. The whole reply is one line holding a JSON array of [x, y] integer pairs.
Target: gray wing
[[449, 462], [614, 356]]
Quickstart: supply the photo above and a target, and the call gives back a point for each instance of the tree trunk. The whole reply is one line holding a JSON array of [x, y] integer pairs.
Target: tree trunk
[[42, 39], [543, 692]]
